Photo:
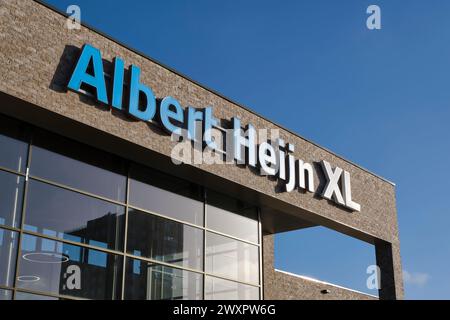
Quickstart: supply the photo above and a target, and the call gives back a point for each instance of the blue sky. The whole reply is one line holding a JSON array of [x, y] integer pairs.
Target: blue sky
[[379, 98]]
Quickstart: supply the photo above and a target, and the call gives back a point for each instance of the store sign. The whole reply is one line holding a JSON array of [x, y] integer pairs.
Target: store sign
[[272, 159]]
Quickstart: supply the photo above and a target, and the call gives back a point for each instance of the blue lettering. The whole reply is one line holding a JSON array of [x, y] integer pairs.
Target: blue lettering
[[80, 74], [148, 112], [166, 114], [117, 91]]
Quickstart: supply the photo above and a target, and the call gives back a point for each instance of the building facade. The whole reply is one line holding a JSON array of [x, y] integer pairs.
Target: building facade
[[92, 205]]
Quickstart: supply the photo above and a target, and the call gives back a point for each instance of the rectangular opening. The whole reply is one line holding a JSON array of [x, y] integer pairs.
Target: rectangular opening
[[322, 254]]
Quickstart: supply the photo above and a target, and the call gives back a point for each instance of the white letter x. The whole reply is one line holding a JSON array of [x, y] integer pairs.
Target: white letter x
[[332, 190]]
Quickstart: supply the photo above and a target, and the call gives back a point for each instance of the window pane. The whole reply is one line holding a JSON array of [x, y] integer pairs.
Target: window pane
[[161, 239], [11, 193], [231, 216], [61, 213], [5, 294], [220, 289], [78, 166], [8, 253], [232, 259], [13, 147], [59, 268], [31, 296], [166, 195], [148, 281]]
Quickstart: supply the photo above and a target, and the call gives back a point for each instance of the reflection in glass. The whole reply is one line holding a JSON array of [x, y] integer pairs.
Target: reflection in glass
[[231, 216], [8, 253], [48, 266], [232, 259], [220, 289], [165, 240], [61, 213], [148, 281], [30, 296], [11, 193], [59, 268], [166, 195], [78, 166], [5, 294], [14, 149]]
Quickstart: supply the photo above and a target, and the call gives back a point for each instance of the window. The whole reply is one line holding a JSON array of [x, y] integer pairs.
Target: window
[[231, 259], [5, 294], [166, 195], [232, 217], [78, 166], [60, 268], [57, 212], [8, 249], [11, 194], [12, 139], [168, 241], [149, 281]]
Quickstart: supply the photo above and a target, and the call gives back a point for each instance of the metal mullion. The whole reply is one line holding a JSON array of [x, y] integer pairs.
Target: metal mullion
[[9, 228], [162, 263], [3, 287], [159, 262], [260, 258], [12, 171], [22, 218], [205, 195], [232, 280], [232, 237], [165, 217], [50, 294], [125, 233], [62, 186], [70, 242]]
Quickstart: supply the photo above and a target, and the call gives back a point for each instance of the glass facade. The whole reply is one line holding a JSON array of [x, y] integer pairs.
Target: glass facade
[[79, 223]]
